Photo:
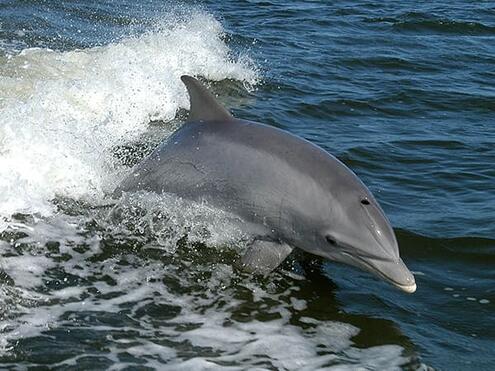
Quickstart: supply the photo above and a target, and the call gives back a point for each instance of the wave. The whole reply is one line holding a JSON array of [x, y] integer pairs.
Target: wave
[[431, 24], [446, 26], [63, 112], [459, 248]]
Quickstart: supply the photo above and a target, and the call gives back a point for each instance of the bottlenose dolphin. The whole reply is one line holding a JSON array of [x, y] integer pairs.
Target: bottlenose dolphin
[[290, 192]]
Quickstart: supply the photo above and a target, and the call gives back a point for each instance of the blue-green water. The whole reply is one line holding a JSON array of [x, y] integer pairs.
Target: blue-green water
[[404, 94]]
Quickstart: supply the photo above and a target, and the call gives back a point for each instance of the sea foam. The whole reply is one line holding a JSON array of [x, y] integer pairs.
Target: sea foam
[[63, 112]]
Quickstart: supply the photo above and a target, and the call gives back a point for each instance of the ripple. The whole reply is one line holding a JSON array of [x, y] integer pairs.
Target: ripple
[[423, 23]]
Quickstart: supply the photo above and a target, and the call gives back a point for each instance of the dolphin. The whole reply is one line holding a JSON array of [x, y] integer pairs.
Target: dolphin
[[288, 191]]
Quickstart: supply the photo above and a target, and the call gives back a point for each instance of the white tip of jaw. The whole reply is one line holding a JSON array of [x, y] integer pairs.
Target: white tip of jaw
[[408, 288]]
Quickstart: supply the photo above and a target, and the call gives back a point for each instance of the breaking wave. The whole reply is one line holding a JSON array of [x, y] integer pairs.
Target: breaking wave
[[64, 112]]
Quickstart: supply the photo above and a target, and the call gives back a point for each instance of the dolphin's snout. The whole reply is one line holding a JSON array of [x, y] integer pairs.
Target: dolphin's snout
[[394, 272]]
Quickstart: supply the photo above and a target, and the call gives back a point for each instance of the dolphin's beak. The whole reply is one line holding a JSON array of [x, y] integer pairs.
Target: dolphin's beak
[[394, 272]]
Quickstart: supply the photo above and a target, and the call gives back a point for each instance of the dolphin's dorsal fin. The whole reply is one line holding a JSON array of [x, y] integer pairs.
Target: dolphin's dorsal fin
[[204, 106]]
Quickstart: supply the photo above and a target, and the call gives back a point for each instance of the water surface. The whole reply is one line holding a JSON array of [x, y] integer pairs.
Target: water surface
[[404, 94]]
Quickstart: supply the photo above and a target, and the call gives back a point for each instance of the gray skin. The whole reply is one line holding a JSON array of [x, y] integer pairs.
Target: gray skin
[[290, 192]]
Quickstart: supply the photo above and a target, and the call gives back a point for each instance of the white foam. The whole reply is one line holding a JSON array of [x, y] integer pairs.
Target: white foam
[[167, 213], [32, 269], [63, 112], [204, 322]]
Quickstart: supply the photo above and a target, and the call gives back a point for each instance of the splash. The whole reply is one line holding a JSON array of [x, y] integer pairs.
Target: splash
[[159, 307], [63, 113]]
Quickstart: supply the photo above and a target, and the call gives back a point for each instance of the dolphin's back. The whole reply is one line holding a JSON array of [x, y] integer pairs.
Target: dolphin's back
[[261, 173], [202, 158], [239, 166], [216, 157]]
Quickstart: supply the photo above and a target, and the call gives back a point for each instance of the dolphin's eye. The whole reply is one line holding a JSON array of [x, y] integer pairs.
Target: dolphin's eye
[[365, 201], [331, 241]]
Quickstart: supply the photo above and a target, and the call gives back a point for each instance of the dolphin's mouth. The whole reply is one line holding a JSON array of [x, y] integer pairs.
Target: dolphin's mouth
[[407, 288], [394, 272]]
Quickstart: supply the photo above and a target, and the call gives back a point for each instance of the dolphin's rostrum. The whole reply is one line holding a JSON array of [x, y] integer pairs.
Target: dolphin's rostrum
[[290, 192]]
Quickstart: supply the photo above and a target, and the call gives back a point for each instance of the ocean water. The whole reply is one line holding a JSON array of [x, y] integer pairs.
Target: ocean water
[[403, 93]]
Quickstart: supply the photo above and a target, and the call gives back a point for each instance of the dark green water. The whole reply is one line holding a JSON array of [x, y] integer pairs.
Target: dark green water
[[404, 94]]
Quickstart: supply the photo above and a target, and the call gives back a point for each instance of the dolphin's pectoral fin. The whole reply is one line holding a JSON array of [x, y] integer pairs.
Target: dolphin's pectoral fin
[[204, 106], [264, 256]]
